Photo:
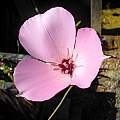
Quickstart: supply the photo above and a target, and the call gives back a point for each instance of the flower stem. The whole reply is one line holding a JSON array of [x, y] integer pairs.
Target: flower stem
[[78, 23], [60, 102]]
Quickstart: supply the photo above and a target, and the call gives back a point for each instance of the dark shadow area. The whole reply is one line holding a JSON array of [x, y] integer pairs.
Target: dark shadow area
[[80, 104], [83, 104], [110, 4], [111, 31]]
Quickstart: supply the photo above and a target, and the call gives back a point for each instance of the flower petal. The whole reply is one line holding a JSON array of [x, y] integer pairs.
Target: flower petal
[[89, 59], [37, 81], [47, 36]]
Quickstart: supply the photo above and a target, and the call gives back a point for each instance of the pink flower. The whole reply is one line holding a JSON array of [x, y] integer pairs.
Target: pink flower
[[59, 57]]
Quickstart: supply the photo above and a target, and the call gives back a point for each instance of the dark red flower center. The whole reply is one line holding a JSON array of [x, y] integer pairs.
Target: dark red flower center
[[67, 66]]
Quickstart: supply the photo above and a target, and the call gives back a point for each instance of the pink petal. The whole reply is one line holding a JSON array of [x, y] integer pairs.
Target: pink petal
[[90, 57], [47, 36], [37, 81]]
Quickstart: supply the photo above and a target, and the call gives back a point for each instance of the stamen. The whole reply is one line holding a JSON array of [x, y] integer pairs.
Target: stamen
[[67, 52], [76, 57], [67, 66], [73, 48], [56, 68]]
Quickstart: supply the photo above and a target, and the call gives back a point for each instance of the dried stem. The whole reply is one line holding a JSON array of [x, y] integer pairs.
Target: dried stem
[[60, 102]]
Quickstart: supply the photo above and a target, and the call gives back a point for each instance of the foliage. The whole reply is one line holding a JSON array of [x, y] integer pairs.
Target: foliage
[[6, 72]]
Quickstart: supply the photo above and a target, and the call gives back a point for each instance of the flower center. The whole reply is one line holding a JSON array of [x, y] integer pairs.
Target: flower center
[[67, 66]]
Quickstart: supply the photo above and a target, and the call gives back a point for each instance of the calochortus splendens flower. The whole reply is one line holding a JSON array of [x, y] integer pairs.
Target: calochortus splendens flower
[[58, 56]]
